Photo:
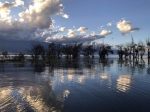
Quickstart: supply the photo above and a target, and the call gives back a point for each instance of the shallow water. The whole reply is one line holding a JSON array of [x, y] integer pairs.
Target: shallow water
[[81, 85]]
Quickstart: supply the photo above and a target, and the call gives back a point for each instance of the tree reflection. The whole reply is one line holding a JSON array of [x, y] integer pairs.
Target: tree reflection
[[139, 63], [38, 67]]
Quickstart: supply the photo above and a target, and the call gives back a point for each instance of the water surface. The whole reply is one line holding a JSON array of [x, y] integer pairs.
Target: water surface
[[81, 85]]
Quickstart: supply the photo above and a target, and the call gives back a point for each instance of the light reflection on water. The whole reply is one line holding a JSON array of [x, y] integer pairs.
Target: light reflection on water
[[123, 83], [84, 85]]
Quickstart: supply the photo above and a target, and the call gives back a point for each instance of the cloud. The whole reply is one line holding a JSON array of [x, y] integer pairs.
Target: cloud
[[65, 16], [32, 22], [74, 38], [5, 7], [109, 24], [101, 27], [105, 32], [62, 29], [71, 33], [126, 27], [36, 23], [82, 30], [38, 15]]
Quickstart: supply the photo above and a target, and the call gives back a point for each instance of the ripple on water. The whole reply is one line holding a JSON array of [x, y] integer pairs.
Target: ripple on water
[[89, 86]]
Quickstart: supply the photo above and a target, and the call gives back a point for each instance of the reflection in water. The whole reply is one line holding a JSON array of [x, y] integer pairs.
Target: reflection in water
[[28, 99], [38, 67], [66, 93], [104, 76], [71, 74], [81, 79], [123, 83], [62, 80], [84, 85], [70, 77]]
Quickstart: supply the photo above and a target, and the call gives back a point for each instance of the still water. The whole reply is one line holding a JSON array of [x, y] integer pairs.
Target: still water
[[81, 85]]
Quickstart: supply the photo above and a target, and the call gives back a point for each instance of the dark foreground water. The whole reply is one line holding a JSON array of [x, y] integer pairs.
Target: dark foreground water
[[82, 85]]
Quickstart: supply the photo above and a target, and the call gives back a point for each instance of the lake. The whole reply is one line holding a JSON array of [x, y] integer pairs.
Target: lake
[[76, 85]]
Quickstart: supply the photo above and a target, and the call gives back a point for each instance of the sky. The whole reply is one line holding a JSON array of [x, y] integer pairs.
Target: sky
[[75, 21]]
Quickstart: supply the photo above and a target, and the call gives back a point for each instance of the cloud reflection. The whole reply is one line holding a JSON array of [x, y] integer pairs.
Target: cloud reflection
[[29, 99], [104, 76], [81, 79], [66, 93], [123, 83]]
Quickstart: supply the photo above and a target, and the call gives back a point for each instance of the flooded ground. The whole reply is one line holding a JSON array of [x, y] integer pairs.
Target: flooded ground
[[81, 85]]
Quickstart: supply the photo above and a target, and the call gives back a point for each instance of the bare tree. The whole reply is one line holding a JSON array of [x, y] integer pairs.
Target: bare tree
[[76, 50], [88, 51], [67, 50], [20, 57], [36, 51], [148, 45], [141, 48], [5, 54]]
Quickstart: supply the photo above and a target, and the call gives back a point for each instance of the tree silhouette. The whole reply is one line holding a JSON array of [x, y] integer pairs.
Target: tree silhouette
[[5, 54], [36, 51], [104, 50], [88, 51], [76, 50]]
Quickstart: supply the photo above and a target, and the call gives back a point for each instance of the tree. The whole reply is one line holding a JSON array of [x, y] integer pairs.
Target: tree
[[141, 48], [148, 45], [5, 54], [121, 51], [67, 50], [76, 50], [58, 50], [51, 52], [20, 57], [104, 50], [88, 51], [36, 51]]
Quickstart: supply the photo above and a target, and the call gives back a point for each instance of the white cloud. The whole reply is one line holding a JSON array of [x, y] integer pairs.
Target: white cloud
[[71, 33], [105, 32], [74, 38], [35, 18], [38, 15], [82, 30], [109, 24], [35, 23], [62, 29], [5, 7], [101, 27], [65, 16], [126, 27]]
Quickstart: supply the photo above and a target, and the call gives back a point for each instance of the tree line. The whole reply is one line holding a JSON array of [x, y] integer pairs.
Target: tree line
[[56, 51]]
